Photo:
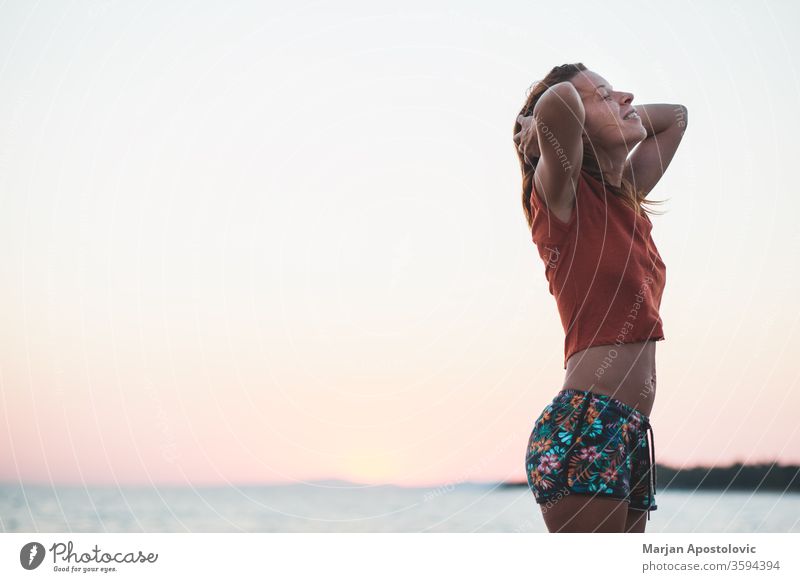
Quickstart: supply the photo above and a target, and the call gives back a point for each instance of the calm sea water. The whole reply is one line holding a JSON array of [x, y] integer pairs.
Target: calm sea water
[[337, 507]]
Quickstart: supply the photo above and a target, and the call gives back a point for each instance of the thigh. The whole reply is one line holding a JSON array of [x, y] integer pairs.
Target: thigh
[[636, 521], [579, 513]]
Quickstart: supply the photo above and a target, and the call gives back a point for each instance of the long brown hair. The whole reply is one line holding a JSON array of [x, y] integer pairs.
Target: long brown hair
[[630, 196]]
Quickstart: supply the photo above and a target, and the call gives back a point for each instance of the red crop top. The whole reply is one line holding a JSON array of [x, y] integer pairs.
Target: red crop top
[[603, 269]]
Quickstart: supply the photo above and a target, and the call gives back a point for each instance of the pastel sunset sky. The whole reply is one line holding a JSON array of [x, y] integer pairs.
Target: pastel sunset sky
[[252, 244]]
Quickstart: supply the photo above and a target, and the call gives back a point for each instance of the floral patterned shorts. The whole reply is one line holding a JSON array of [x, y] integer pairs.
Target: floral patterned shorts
[[592, 444]]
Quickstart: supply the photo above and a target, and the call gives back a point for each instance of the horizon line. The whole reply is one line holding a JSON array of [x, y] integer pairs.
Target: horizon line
[[338, 483]]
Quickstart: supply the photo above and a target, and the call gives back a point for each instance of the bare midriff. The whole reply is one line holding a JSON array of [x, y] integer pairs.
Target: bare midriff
[[626, 372]]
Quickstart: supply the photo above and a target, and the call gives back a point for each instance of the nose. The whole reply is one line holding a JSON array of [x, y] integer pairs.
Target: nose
[[627, 97]]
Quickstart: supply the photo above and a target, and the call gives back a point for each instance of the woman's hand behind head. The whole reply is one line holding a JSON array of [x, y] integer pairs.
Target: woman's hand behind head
[[526, 139]]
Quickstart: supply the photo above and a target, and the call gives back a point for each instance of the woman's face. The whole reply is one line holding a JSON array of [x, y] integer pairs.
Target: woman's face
[[605, 111]]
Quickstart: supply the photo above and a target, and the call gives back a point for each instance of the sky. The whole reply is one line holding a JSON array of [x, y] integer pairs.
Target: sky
[[281, 243]]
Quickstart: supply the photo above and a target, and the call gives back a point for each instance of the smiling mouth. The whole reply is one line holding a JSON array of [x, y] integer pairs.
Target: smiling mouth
[[631, 115]]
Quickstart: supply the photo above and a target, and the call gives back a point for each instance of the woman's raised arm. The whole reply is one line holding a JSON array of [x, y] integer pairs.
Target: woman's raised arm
[[665, 125], [558, 118]]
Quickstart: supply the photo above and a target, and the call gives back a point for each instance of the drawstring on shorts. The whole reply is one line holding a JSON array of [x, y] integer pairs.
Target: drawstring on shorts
[[651, 483]]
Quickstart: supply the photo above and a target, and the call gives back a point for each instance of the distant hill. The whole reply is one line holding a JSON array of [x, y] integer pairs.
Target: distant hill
[[738, 477]]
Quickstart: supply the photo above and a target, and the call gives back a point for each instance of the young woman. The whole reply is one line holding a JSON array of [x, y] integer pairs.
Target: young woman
[[589, 462]]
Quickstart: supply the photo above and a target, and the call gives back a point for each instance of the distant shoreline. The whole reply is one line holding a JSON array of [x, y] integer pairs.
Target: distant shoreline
[[767, 477], [738, 476]]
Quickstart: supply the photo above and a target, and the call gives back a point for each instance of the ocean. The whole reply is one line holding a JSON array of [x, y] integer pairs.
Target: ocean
[[342, 507]]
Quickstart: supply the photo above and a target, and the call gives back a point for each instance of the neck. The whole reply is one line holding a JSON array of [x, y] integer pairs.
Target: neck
[[612, 163]]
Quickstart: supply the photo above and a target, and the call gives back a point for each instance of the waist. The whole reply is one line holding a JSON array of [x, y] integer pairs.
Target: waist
[[625, 372], [603, 401]]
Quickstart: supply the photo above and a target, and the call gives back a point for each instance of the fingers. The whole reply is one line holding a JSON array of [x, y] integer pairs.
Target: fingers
[[522, 136], [523, 132], [518, 142]]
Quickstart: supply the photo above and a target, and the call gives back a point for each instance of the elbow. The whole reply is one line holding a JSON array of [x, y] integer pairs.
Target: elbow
[[560, 100]]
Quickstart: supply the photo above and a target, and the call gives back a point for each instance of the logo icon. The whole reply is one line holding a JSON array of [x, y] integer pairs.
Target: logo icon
[[31, 555]]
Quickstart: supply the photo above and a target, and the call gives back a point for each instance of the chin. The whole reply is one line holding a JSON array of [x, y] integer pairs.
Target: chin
[[635, 136]]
